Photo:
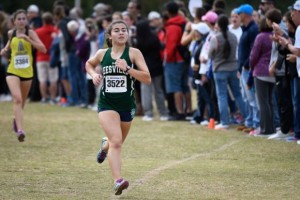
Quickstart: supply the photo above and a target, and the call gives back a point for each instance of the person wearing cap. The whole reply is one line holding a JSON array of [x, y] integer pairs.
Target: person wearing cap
[[200, 32], [210, 19], [295, 56], [34, 18], [250, 31], [155, 20], [34, 21], [205, 71]]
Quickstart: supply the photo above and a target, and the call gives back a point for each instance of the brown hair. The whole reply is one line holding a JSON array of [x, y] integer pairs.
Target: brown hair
[[19, 12], [109, 29], [47, 18], [274, 15]]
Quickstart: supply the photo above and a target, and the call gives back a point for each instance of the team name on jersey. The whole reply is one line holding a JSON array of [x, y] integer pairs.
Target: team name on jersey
[[111, 69]]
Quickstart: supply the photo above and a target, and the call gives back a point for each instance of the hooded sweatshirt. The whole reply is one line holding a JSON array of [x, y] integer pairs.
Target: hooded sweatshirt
[[174, 29]]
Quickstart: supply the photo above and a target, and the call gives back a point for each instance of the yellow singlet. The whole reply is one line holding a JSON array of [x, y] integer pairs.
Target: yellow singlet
[[21, 58]]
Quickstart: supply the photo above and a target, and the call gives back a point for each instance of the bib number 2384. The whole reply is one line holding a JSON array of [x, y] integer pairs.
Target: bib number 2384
[[116, 84]]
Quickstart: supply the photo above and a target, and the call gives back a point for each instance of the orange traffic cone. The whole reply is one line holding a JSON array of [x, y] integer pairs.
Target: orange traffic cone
[[211, 124]]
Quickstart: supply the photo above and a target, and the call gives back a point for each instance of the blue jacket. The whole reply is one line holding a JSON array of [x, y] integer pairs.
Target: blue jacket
[[246, 43]]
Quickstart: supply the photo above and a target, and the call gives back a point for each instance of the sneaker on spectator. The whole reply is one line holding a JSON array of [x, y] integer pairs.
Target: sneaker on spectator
[[291, 139], [204, 123], [52, 102], [164, 118], [279, 135], [44, 100], [147, 118], [221, 127], [189, 116], [263, 135], [254, 132], [193, 122], [248, 130], [298, 142], [120, 185]]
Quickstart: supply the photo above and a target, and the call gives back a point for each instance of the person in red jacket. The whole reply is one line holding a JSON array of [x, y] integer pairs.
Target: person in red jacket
[[46, 73], [175, 69]]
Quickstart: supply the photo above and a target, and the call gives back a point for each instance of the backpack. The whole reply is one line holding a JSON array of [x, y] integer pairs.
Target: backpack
[[184, 50], [54, 53]]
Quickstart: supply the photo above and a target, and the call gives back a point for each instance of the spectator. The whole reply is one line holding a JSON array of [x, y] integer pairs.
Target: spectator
[[200, 32], [155, 21], [250, 30], [117, 15], [134, 8], [46, 73], [222, 50], [59, 14], [148, 43], [295, 55], [77, 56], [175, 71], [210, 18], [264, 84], [34, 22]]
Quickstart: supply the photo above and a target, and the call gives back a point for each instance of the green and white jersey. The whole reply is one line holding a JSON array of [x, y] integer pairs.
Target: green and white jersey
[[117, 91]]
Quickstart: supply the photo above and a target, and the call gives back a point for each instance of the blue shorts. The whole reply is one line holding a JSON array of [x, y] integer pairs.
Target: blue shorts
[[176, 77], [125, 116]]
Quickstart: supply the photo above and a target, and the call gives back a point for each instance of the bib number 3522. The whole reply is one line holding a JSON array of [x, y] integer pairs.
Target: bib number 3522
[[116, 84]]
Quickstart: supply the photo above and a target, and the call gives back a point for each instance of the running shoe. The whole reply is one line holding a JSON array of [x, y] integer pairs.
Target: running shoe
[[20, 135], [120, 185], [102, 154]]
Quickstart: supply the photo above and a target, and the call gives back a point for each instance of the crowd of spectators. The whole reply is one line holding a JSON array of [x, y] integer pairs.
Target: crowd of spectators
[[244, 67]]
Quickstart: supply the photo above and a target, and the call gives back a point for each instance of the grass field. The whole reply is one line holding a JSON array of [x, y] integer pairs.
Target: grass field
[[161, 160]]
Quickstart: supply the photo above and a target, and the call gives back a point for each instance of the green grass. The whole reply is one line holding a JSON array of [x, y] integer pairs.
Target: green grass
[[161, 160]]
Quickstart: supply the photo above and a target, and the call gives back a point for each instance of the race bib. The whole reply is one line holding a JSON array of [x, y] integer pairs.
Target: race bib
[[21, 61], [115, 84]]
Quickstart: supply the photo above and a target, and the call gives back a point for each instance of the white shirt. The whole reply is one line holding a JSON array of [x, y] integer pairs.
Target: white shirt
[[238, 33], [297, 45], [204, 67]]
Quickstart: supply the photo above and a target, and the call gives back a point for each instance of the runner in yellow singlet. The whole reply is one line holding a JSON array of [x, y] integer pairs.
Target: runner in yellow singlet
[[20, 72], [117, 104]]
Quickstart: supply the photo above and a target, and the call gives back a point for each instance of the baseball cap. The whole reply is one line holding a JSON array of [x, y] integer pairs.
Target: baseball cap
[[245, 8], [201, 28], [210, 17], [153, 15], [296, 5], [33, 8]]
